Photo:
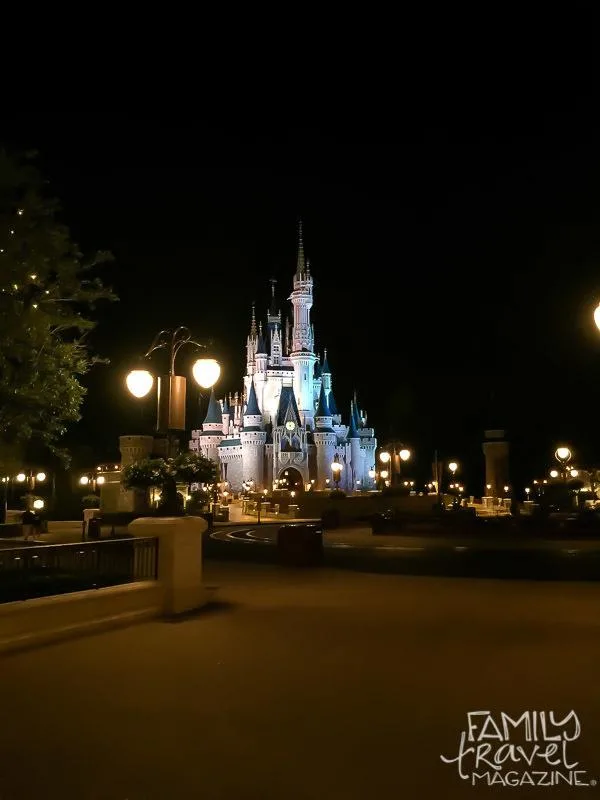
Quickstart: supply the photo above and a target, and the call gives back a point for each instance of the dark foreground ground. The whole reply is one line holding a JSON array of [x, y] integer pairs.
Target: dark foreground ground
[[319, 684]]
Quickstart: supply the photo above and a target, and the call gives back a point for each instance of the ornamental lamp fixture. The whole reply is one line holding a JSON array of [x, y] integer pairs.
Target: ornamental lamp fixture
[[139, 382], [404, 454]]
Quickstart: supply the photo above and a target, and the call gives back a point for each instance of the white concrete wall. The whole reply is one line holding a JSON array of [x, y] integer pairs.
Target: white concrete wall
[[28, 623]]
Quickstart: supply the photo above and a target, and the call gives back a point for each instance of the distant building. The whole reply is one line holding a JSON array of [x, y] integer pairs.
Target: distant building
[[285, 425]]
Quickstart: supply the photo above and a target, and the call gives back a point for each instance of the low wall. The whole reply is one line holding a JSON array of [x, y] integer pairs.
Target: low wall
[[27, 623], [356, 507]]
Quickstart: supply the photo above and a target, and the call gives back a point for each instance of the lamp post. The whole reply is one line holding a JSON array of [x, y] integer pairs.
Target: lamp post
[[171, 394], [563, 455], [29, 478], [336, 469], [92, 480]]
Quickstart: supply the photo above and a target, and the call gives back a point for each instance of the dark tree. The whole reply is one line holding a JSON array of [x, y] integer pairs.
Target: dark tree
[[47, 291]]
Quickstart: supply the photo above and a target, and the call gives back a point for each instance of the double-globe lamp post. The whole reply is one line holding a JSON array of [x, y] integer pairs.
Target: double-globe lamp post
[[171, 394], [386, 458]]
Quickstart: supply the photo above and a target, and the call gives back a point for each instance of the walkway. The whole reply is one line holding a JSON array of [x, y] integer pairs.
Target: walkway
[[306, 686]]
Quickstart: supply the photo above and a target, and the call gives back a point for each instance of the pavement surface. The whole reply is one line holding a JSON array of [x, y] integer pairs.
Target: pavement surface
[[301, 685]]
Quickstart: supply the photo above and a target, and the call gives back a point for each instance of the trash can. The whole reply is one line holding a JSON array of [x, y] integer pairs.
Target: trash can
[[300, 545], [93, 528]]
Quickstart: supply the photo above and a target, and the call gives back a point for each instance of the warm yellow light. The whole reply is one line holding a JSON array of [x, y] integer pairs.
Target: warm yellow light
[[404, 454], [38, 504], [384, 473], [206, 372], [371, 473], [554, 473], [139, 382], [453, 466], [21, 477], [84, 480], [33, 277], [597, 317], [100, 480], [574, 473], [527, 490], [293, 493], [488, 486], [384, 457], [563, 453], [41, 476], [506, 488]]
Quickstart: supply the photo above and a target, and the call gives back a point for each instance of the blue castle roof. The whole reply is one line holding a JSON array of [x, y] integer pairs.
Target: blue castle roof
[[332, 404], [252, 405], [323, 408], [214, 413]]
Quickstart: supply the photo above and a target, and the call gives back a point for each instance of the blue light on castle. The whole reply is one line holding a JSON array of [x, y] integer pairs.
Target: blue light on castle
[[286, 422]]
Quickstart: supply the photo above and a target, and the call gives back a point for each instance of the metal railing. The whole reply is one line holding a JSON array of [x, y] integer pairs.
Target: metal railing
[[40, 571]]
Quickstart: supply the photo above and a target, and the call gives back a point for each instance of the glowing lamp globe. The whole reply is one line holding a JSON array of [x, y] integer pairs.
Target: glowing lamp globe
[[206, 372], [554, 473], [84, 480], [384, 457], [405, 454], [21, 477], [597, 317], [41, 476], [100, 480], [453, 466], [563, 454], [139, 382], [38, 504]]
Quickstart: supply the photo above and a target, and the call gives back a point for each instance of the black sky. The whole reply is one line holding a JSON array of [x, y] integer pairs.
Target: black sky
[[453, 231]]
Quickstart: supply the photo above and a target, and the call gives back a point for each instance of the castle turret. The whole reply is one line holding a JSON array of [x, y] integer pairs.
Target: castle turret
[[226, 412], [325, 440], [212, 429], [253, 438], [326, 373], [302, 355], [251, 343], [356, 459]]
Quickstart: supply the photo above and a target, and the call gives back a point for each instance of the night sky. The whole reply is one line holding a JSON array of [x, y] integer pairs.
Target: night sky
[[454, 239]]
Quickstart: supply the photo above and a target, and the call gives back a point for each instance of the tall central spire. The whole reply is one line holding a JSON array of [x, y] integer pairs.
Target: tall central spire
[[253, 323], [300, 263]]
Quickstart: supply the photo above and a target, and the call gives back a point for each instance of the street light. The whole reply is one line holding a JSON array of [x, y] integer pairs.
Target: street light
[[337, 468], [453, 466], [171, 394], [554, 473], [92, 480], [384, 457], [563, 455], [404, 454]]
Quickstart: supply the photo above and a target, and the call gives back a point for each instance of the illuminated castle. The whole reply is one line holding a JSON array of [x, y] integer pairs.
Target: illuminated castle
[[285, 425]]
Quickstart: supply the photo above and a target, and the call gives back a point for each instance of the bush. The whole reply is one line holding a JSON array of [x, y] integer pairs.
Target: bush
[[90, 501]]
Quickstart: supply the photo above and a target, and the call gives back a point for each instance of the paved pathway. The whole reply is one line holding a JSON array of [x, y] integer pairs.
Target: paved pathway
[[307, 685]]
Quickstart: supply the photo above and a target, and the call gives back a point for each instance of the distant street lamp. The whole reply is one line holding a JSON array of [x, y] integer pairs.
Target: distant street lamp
[[554, 473], [171, 394], [92, 480], [404, 454]]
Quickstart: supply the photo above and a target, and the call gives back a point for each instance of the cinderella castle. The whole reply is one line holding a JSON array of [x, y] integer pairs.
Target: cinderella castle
[[284, 428]]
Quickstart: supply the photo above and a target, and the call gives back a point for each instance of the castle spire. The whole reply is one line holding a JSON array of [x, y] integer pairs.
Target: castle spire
[[253, 322], [300, 263], [273, 310]]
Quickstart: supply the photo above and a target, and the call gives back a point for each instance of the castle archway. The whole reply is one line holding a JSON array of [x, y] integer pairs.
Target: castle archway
[[291, 479]]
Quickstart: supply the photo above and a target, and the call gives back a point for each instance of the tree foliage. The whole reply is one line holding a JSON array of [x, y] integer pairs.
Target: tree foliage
[[145, 474], [47, 289], [184, 468]]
